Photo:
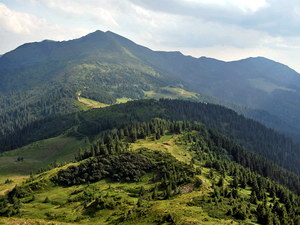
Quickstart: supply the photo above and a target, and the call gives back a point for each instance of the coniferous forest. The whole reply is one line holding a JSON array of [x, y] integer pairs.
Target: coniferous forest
[[268, 143]]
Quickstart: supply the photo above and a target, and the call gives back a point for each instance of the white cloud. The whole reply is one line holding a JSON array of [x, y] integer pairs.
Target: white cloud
[[17, 28], [16, 22], [243, 5], [99, 10]]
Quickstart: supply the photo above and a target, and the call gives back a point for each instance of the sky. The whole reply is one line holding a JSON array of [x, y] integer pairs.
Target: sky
[[223, 29]]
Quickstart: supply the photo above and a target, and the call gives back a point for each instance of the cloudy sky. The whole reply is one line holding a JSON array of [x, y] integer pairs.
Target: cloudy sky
[[223, 29]]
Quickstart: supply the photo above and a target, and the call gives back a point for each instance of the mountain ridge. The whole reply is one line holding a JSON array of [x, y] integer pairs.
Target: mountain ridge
[[99, 33], [105, 66]]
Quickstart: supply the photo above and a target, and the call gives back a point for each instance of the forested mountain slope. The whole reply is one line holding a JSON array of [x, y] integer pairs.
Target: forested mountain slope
[[257, 83], [42, 79], [87, 125], [38, 80]]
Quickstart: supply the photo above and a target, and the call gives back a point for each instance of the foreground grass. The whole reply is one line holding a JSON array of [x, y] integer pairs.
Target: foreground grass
[[52, 204], [62, 206], [23, 221]]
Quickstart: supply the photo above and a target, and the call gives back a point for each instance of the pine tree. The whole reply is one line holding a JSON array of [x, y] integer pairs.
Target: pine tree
[[155, 193], [140, 202], [253, 198], [142, 191], [221, 182], [168, 192]]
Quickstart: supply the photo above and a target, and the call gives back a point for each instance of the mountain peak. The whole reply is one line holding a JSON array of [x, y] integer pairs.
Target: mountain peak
[[94, 35], [92, 44], [265, 61]]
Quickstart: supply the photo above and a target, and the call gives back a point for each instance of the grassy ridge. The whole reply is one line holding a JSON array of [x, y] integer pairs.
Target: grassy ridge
[[63, 206], [114, 202]]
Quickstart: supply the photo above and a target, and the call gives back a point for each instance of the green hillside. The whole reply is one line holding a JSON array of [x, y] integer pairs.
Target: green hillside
[[42, 79], [160, 172], [87, 126]]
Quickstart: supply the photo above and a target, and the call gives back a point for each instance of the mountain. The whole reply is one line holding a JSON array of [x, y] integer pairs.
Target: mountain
[[260, 84], [48, 78], [90, 57], [38, 80]]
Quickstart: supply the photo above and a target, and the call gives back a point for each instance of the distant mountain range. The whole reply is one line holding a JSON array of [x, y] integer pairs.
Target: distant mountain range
[[46, 78]]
